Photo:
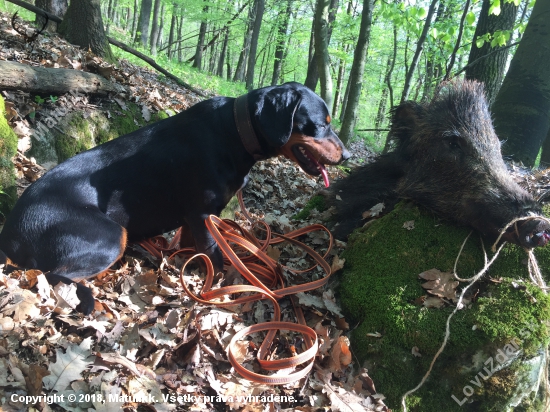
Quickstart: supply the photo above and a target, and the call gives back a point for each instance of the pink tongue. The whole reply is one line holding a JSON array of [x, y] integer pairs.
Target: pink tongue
[[321, 168], [324, 173]]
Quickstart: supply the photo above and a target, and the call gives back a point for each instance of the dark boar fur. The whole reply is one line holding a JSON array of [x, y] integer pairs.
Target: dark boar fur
[[447, 158]]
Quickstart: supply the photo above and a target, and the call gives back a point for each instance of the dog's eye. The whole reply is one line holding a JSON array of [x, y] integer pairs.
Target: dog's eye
[[328, 118]]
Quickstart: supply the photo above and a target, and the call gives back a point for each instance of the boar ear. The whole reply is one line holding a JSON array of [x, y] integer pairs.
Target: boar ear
[[405, 119]]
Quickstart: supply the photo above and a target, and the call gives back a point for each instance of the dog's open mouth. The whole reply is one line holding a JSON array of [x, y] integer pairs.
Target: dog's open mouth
[[309, 163]]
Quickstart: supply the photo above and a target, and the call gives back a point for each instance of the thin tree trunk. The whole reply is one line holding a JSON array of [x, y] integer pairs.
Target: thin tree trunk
[[180, 35], [345, 102], [258, 16], [240, 71], [144, 18], [172, 31], [321, 48], [223, 53], [197, 63], [155, 29], [458, 40], [135, 20], [419, 47], [381, 114], [357, 71], [127, 22], [161, 27], [213, 53], [313, 74], [280, 45], [339, 83]]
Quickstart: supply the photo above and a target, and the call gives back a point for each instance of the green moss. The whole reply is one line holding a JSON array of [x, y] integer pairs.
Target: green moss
[[316, 202], [8, 149], [84, 133], [380, 291], [229, 211], [77, 138]]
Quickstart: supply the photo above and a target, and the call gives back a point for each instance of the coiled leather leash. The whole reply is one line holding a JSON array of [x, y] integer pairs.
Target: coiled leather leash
[[266, 282]]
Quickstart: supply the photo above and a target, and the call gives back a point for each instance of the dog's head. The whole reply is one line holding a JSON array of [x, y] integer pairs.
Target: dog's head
[[295, 122]]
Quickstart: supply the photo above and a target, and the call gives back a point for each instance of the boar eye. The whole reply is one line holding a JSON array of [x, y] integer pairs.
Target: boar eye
[[453, 141]]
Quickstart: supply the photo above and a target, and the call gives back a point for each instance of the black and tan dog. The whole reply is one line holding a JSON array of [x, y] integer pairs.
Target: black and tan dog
[[74, 222]]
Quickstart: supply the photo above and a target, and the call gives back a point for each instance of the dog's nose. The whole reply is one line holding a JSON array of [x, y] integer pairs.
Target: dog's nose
[[345, 155]]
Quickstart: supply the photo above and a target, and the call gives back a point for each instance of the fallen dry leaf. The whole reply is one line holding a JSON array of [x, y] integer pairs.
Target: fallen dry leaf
[[409, 225], [374, 211], [442, 284], [69, 366]]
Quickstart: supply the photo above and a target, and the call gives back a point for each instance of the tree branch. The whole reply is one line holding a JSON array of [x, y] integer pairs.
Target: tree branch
[[485, 56], [155, 65]]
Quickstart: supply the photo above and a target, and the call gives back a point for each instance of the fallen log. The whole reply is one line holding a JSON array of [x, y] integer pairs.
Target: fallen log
[[41, 80]]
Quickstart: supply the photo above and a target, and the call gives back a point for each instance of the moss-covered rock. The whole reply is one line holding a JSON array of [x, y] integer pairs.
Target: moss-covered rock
[[76, 133], [8, 149], [506, 320]]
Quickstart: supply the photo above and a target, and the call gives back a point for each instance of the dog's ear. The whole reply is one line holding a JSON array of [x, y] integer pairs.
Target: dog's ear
[[275, 114]]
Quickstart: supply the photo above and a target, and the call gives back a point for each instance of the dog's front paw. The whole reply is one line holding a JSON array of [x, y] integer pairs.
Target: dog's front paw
[[87, 302]]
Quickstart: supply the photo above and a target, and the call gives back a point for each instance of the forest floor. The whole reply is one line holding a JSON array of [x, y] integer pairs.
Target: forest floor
[[147, 337]]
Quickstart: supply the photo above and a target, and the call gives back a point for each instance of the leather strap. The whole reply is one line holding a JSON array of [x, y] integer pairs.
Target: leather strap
[[245, 129]]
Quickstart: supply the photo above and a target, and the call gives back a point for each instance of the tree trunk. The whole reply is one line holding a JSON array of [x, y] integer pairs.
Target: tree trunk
[[345, 102], [458, 41], [341, 72], [180, 30], [127, 22], [521, 109], [221, 60], [240, 71], [161, 27], [418, 51], [357, 71], [490, 70], [155, 28], [83, 26], [197, 63], [56, 7], [339, 83], [172, 30], [259, 6], [312, 77], [321, 49], [381, 114], [144, 18], [281, 42], [135, 20]]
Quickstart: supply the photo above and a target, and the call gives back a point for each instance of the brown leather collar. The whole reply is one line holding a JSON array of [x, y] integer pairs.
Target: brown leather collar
[[245, 128]]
